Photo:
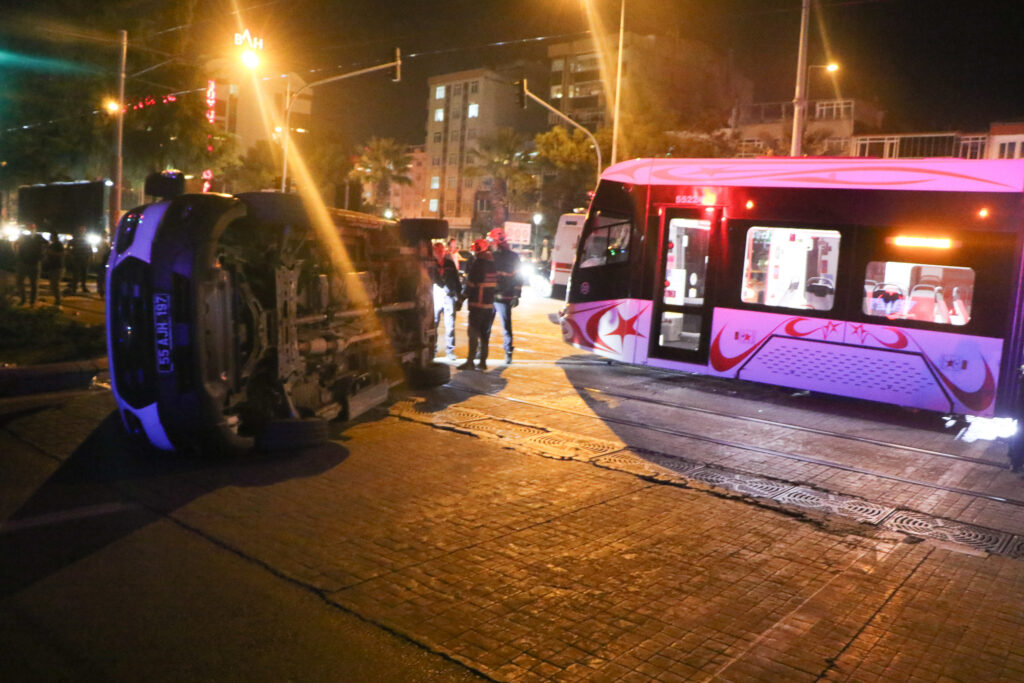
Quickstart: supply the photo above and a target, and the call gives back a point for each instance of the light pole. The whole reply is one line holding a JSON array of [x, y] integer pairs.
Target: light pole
[[119, 144], [618, 83], [800, 96], [290, 98]]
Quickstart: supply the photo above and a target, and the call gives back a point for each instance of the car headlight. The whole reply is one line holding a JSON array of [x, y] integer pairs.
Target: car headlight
[[526, 271]]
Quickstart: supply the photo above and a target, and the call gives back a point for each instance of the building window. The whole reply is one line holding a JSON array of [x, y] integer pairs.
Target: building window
[[558, 64], [473, 111], [973, 147], [834, 109], [457, 89], [473, 87], [435, 182], [439, 114], [1007, 150], [449, 206], [436, 161], [453, 160], [437, 137], [439, 92], [432, 205], [471, 134], [556, 92], [456, 114], [453, 182], [469, 182]]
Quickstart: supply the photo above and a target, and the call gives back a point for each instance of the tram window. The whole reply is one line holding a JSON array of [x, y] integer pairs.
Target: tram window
[[607, 243], [790, 267], [919, 291]]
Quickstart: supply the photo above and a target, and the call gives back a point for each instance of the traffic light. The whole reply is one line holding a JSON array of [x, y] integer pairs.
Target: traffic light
[[398, 65], [521, 92]]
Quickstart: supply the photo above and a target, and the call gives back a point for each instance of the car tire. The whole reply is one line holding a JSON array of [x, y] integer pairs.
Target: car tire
[[428, 377], [292, 434], [416, 229]]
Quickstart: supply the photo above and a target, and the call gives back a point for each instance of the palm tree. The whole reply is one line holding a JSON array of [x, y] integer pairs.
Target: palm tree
[[504, 158], [381, 163]]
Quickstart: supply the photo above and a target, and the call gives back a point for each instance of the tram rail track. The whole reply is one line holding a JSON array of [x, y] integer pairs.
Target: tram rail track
[[773, 423], [1016, 502]]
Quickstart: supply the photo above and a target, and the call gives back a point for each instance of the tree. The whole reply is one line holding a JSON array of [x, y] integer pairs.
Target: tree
[[331, 165], [504, 158], [382, 161], [255, 170], [567, 162]]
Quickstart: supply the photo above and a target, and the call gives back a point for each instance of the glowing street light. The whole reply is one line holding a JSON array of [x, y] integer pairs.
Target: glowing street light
[[250, 59]]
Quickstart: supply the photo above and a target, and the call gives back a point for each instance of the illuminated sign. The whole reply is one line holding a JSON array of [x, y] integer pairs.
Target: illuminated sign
[[926, 242], [211, 116], [247, 39]]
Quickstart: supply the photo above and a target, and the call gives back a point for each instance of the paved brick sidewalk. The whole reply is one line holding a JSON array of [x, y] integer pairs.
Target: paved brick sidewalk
[[529, 568]]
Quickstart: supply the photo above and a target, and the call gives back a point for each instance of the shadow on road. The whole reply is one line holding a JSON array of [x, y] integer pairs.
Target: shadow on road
[[112, 486]]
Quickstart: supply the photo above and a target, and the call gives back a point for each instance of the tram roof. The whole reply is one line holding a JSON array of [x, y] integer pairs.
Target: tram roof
[[847, 173]]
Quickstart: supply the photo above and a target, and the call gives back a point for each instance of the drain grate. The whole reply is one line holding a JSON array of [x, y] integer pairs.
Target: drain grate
[[421, 411], [977, 537], [631, 463], [741, 483], [846, 506], [573, 447], [1015, 547], [504, 429]]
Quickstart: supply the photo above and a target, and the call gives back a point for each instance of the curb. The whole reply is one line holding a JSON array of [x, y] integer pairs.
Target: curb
[[34, 379]]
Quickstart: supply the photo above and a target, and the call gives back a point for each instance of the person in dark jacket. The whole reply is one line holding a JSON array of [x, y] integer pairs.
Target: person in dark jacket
[[509, 288], [53, 265], [447, 296], [80, 254], [29, 249], [481, 280]]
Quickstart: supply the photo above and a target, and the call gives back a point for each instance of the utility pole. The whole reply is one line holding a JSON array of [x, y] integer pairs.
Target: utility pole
[[800, 97]]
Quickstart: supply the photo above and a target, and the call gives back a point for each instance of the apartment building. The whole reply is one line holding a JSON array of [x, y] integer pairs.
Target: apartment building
[[410, 200], [463, 107], [830, 129], [687, 77]]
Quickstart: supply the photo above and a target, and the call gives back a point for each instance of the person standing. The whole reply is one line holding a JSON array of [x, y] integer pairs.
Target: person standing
[[101, 267], [80, 256], [509, 288], [8, 269], [480, 283], [447, 296], [53, 265], [30, 249], [453, 253]]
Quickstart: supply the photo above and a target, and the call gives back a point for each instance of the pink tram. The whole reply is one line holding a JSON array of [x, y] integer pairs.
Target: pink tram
[[891, 280]]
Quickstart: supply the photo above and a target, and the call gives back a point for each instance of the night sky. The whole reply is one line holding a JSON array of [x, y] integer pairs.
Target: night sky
[[931, 64]]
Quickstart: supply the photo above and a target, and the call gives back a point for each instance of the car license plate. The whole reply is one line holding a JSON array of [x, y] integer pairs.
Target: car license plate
[[163, 332]]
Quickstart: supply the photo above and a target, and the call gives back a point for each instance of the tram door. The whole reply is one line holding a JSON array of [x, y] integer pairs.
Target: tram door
[[681, 319]]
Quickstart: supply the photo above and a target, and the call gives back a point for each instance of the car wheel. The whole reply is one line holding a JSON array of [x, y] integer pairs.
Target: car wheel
[[292, 434], [416, 229], [428, 377]]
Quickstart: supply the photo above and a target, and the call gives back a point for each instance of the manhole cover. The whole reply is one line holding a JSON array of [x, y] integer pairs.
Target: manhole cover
[[846, 506], [1015, 547], [977, 537]]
